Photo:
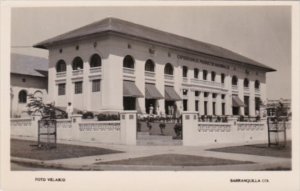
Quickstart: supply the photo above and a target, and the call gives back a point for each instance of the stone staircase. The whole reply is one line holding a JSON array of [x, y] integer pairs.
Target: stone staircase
[[144, 138]]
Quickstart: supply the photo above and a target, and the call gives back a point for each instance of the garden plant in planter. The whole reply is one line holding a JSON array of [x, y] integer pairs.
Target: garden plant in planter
[[162, 126]]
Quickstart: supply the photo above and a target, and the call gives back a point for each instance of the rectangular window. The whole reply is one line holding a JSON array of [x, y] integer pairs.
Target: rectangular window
[[196, 105], [205, 107], [96, 85], [214, 108], [78, 87], [223, 108], [185, 105], [62, 89]]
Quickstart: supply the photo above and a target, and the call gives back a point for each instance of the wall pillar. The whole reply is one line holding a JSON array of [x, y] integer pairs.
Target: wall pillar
[[140, 83], [201, 103], [112, 94], [75, 120], [189, 128], [241, 94], [191, 100], [218, 105], [209, 104], [252, 98], [128, 127]]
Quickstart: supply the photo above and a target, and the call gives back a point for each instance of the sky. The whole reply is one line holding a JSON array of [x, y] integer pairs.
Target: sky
[[262, 33]]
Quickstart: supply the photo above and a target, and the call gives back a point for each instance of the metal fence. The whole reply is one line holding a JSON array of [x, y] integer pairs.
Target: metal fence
[[47, 135]]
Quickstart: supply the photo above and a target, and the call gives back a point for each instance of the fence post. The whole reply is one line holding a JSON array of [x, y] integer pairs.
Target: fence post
[[189, 127], [35, 125], [75, 120], [128, 127]]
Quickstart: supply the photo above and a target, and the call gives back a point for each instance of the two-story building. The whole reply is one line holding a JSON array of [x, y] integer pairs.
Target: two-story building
[[114, 65]]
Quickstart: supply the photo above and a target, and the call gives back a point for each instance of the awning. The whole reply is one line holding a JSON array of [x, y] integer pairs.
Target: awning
[[170, 94], [152, 92], [237, 102], [130, 90]]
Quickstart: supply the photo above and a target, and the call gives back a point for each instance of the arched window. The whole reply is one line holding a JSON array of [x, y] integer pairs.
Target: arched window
[[77, 63], [257, 84], [128, 62], [169, 69], [61, 66], [38, 94], [213, 76], [184, 71], [204, 74], [149, 66], [196, 73], [234, 80], [23, 96], [95, 61], [246, 83], [222, 78]]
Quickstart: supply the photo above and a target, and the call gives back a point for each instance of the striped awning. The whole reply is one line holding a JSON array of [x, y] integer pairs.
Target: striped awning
[[151, 92], [130, 89], [237, 102], [170, 94]]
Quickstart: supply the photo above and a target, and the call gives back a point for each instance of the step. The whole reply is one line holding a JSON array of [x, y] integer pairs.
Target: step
[[142, 133], [154, 137], [156, 142]]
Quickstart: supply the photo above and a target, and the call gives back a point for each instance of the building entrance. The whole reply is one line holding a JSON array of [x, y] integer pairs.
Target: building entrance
[[170, 108], [129, 103], [150, 105]]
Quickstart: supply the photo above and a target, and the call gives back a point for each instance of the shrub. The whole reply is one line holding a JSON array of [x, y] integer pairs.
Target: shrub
[[178, 129], [87, 115], [108, 117], [162, 126]]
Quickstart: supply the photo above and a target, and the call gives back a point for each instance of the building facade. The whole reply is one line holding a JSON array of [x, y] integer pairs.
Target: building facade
[[115, 65], [29, 75]]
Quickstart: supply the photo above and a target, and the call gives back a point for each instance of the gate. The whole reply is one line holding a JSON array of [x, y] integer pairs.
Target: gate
[[277, 131], [156, 130], [47, 136]]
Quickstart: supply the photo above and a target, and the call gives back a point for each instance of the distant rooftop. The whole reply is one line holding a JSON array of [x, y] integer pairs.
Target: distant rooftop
[[29, 65], [146, 33]]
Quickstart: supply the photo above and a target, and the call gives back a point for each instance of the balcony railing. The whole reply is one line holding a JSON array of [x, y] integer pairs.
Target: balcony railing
[[61, 74], [184, 79], [257, 90], [77, 72], [96, 70], [206, 83], [246, 89], [235, 87], [128, 70], [150, 74], [169, 77]]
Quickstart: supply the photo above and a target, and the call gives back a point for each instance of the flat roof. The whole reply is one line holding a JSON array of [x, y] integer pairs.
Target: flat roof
[[143, 32]]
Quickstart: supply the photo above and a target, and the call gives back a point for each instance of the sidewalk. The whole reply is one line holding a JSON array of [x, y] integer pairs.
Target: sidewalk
[[130, 152]]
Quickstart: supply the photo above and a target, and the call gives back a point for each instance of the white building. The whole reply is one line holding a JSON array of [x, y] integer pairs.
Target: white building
[[29, 75], [117, 65]]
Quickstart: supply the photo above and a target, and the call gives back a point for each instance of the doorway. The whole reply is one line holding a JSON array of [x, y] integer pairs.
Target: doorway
[[129, 103]]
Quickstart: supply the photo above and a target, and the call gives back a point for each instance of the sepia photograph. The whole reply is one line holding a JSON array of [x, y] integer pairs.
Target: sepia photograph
[[151, 88]]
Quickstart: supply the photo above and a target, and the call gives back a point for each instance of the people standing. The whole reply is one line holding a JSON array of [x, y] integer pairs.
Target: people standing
[[151, 109], [69, 109]]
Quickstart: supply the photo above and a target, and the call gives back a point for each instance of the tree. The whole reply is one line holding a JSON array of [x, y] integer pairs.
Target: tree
[[47, 111]]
